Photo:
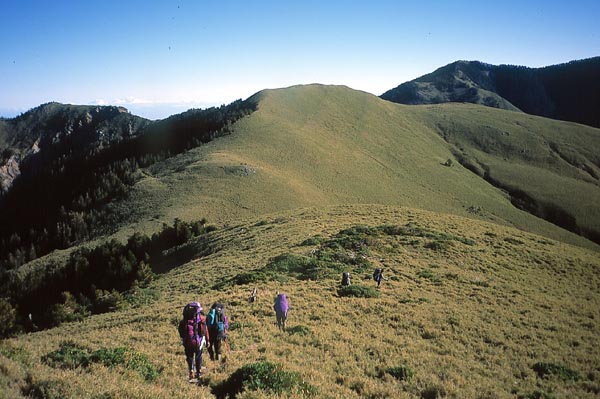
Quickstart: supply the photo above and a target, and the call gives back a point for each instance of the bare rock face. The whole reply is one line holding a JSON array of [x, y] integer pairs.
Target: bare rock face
[[66, 130], [9, 172]]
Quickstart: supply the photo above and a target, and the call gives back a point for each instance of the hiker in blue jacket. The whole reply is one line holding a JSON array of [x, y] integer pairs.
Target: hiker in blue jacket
[[218, 325]]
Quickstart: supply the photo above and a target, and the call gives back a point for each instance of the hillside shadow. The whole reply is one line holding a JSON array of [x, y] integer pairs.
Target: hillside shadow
[[182, 254]]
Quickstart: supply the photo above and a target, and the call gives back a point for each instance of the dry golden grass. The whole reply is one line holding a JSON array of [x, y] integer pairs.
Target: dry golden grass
[[470, 320]]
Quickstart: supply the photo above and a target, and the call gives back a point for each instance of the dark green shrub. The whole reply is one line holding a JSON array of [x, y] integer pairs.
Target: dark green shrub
[[316, 240], [301, 267], [299, 330], [141, 296], [17, 354], [359, 291], [401, 373], [433, 392], [429, 275], [127, 358], [8, 318], [107, 301], [544, 369], [263, 375], [69, 355], [438, 245], [45, 389], [251, 278], [537, 395], [287, 264]]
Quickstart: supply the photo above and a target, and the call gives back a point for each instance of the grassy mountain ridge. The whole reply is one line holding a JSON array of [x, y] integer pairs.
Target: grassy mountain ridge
[[324, 145], [489, 311], [566, 91]]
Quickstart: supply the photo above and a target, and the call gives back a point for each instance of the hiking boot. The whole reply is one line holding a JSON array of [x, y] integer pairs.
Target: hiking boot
[[191, 375]]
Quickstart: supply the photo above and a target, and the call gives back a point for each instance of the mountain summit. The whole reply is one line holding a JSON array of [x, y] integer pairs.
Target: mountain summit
[[568, 91]]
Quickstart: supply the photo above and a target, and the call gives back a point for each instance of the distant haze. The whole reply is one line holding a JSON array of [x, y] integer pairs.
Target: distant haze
[[146, 56]]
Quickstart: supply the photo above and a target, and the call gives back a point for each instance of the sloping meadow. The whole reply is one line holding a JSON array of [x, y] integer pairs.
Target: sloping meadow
[[468, 310]]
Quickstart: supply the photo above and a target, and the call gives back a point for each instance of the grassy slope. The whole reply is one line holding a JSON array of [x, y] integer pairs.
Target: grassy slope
[[554, 162], [499, 306], [324, 145]]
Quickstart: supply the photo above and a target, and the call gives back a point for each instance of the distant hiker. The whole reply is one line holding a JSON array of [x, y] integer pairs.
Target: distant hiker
[[254, 296], [281, 307], [378, 276], [194, 335], [218, 325], [345, 278]]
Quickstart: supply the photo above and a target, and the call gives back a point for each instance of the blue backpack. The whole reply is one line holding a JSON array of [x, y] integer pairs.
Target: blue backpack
[[217, 321]]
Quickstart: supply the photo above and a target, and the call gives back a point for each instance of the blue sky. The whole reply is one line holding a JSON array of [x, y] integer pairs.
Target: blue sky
[[158, 58]]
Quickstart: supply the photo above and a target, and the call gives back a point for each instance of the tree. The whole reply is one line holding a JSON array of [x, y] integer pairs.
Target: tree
[[8, 318]]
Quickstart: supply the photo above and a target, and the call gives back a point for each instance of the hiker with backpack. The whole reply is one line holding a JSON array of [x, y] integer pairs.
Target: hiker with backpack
[[346, 278], [378, 276], [194, 335], [218, 325], [254, 296], [281, 307]]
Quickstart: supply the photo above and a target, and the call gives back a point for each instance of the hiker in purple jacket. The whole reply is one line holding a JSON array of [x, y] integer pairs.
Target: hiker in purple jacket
[[281, 309], [194, 335]]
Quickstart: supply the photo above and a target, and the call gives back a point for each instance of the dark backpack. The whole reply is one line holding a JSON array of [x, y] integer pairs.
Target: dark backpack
[[192, 327], [377, 274], [345, 278]]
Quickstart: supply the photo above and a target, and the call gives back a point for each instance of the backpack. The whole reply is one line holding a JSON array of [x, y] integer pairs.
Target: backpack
[[345, 278], [218, 321], [377, 274], [192, 328]]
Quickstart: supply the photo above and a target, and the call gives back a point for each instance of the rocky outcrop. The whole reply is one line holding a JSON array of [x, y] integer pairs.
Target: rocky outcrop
[[58, 130], [9, 172]]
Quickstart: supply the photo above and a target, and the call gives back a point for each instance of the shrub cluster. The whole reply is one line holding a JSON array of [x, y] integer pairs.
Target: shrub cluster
[[401, 373], [265, 376], [348, 250], [70, 355], [359, 291], [92, 280], [544, 369]]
